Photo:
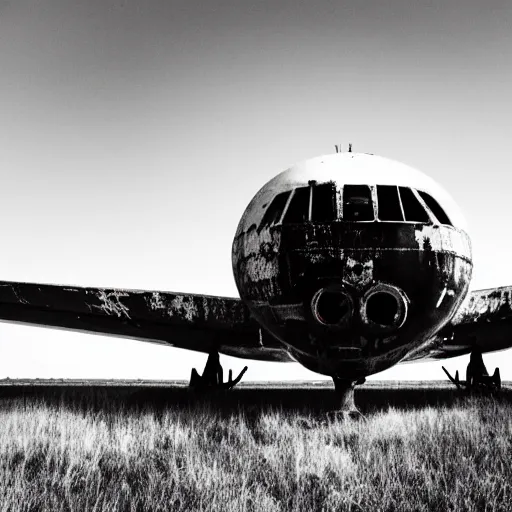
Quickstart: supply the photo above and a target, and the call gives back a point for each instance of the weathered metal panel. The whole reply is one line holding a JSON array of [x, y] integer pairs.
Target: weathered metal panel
[[484, 320], [195, 322]]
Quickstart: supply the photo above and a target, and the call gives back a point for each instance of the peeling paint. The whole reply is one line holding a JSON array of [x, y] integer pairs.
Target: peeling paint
[[111, 303], [186, 308], [486, 305], [156, 301], [420, 238], [358, 273], [18, 295]]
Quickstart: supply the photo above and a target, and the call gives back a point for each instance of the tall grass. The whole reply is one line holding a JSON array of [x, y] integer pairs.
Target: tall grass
[[80, 455]]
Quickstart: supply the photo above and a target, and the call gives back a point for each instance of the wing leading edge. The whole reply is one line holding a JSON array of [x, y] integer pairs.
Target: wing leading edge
[[484, 319], [194, 322]]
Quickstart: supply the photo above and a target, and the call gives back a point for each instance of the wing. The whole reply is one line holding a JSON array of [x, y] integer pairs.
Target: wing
[[194, 322], [485, 318]]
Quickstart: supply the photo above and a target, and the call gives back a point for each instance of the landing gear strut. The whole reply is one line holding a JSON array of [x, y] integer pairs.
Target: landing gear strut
[[477, 376], [213, 375], [344, 390]]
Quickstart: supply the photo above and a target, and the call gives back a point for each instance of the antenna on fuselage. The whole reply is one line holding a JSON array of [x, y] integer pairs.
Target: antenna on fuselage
[[337, 147]]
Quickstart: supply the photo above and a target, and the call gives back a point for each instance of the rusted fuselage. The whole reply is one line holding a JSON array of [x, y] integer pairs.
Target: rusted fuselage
[[349, 298]]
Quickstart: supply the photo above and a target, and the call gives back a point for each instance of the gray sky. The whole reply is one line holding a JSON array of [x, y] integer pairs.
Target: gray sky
[[133, 134]]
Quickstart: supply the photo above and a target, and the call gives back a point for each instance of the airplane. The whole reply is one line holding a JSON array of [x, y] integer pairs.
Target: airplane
[[347, 263]]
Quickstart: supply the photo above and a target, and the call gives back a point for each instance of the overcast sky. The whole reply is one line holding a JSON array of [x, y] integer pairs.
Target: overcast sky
[[134, 133]]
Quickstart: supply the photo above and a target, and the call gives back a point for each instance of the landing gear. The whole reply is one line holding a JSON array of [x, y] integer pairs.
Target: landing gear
[[477, 376], [213, 375], [344, 390]]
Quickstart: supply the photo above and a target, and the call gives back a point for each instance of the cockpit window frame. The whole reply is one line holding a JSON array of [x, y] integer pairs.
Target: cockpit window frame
[[269, 220], [377, 201], [432, 219], [310, 191], [433, 215], [286, 211], [408, 208], [341, 213], [320, 192], [338, 205]]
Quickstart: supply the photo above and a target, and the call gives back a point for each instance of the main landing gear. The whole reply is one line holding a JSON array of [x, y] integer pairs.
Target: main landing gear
[[213, 375], [477, 377]]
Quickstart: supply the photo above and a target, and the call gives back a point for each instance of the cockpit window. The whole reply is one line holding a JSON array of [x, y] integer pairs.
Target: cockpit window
[[317, 203], [298, 209], [324, 203], [275, 210], [357, 203], [389, 203], [400, 204], [435, 208], [413, 209]]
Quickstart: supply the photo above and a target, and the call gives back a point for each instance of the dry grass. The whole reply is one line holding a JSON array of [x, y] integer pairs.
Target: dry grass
[[90, 451]]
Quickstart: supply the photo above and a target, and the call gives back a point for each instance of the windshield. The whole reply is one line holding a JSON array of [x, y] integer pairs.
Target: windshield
[[357, 203]]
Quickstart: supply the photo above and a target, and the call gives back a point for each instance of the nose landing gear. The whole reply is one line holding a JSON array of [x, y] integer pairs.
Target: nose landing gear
[[344, 390]]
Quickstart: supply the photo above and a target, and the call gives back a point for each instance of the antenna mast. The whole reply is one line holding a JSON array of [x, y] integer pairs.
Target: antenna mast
[[337, 147]]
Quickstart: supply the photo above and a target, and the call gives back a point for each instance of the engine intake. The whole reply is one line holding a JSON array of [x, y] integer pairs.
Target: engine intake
[[332, 306], [384, 307]]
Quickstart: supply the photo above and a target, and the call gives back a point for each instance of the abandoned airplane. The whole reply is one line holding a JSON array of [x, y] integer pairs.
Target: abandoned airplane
[[347, 263]]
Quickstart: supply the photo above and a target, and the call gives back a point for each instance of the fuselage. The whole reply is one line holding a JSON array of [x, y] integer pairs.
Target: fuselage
[[352, 261]]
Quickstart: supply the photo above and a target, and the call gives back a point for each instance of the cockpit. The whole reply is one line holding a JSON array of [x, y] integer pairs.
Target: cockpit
[[320, 203]]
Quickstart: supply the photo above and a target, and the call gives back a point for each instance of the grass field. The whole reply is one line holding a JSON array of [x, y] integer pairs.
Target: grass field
[[121, 448]]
